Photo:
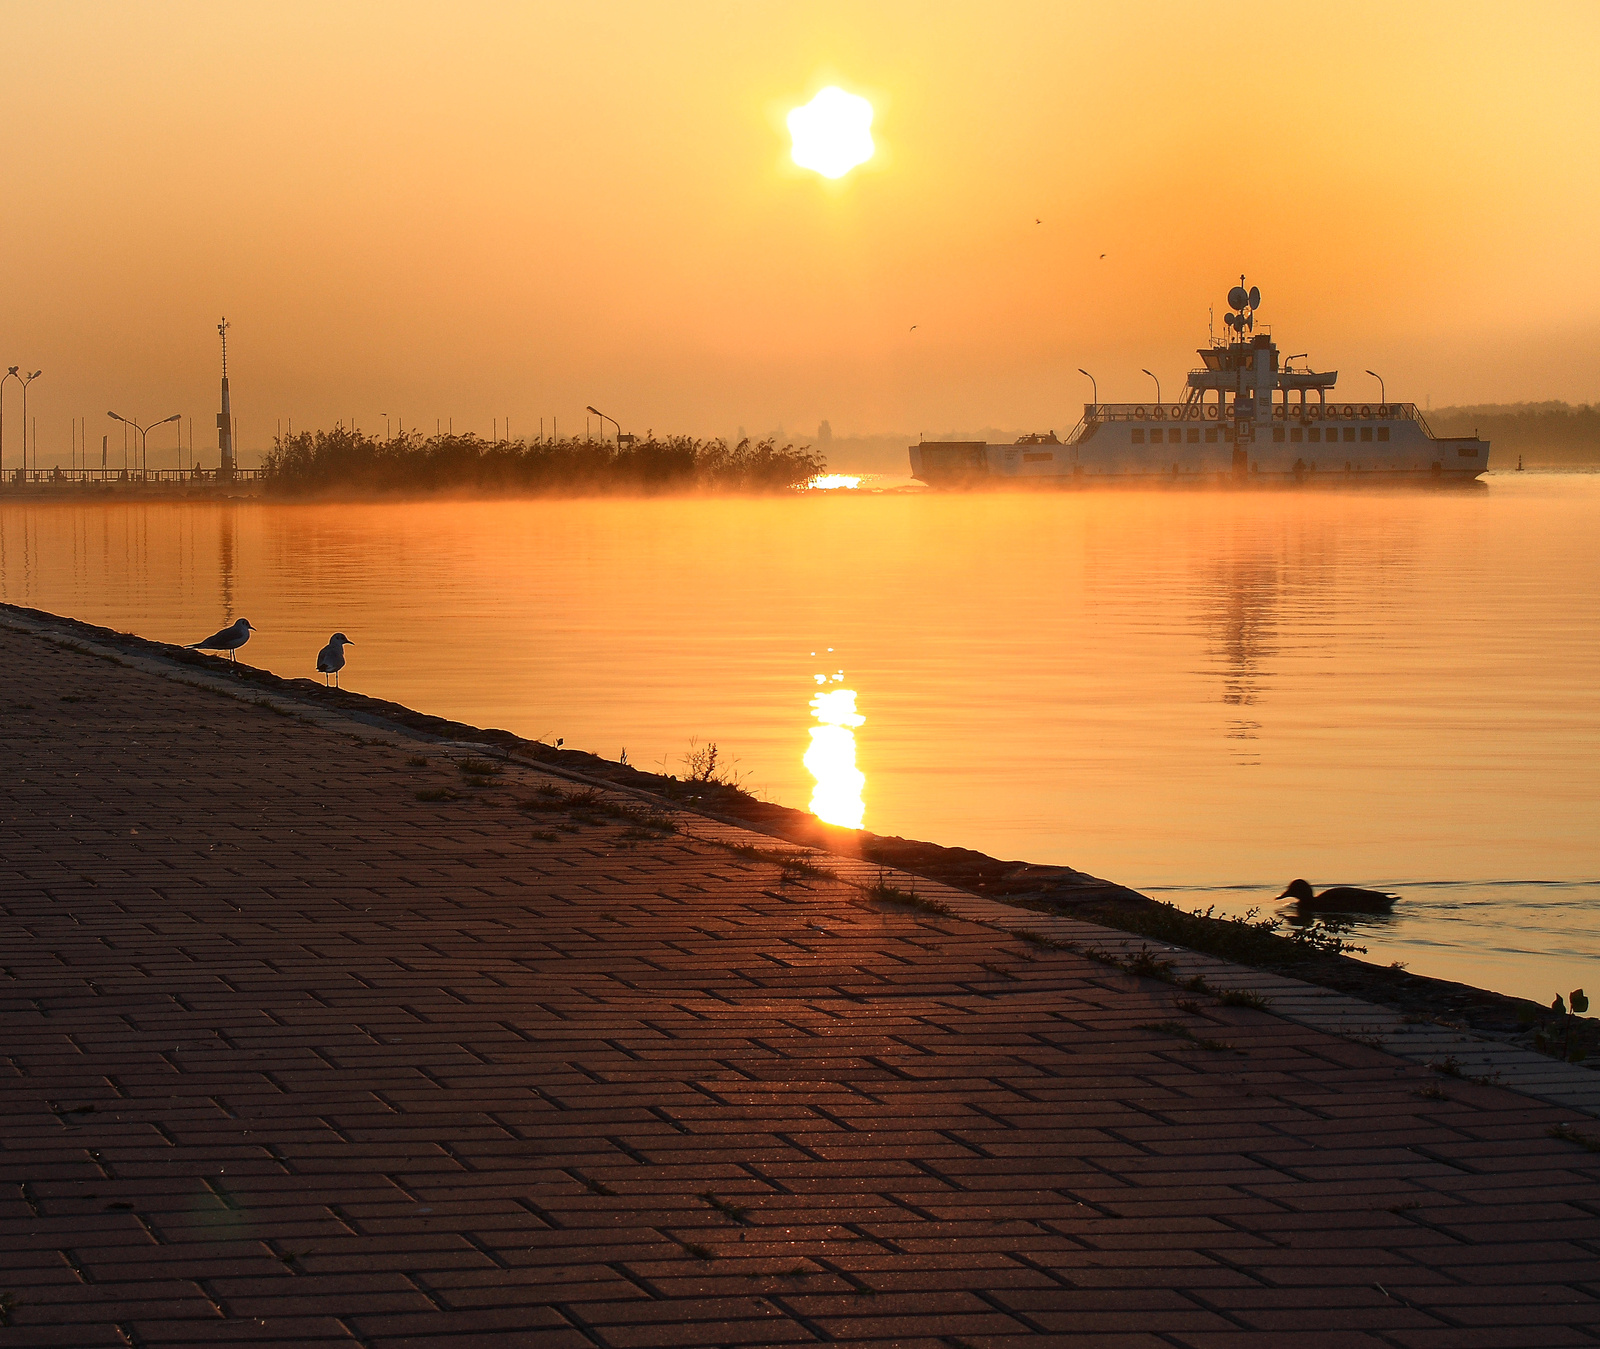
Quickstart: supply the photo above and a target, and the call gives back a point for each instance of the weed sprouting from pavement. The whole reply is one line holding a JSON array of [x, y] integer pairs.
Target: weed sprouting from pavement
[[589, 804], [882, 890], [1145, 962], [1567, 1134]]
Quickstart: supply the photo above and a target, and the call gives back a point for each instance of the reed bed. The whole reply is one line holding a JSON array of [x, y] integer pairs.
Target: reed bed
[[339, 461]]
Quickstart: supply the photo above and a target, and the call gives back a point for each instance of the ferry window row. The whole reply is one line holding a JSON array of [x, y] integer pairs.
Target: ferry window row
[[1177, 436], [1314, 435]]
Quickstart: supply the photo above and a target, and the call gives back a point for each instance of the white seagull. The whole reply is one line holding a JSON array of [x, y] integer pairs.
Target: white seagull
[[330, 660], [230, 639]]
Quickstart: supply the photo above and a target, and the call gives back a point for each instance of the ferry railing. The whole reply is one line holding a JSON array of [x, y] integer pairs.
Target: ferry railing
[[1209, 412]]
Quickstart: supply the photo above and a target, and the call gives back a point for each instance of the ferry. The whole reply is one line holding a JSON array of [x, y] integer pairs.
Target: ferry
[[1247, 418]]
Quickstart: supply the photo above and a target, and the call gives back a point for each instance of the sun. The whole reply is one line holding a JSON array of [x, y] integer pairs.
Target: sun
[[832, 133]]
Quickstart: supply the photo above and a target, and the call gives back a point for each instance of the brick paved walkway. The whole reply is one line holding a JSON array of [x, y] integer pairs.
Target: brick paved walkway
[[294, 1057]]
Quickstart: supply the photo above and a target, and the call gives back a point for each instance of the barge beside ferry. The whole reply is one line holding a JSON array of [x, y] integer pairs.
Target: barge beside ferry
[[1246, 418]]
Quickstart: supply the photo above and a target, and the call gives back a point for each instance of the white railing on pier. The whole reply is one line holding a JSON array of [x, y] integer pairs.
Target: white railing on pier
[[118, 477]]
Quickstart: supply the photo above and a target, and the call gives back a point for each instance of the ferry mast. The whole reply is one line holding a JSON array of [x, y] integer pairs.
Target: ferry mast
[[225, 417]]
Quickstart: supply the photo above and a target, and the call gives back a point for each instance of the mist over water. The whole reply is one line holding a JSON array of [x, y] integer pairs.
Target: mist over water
[[1200, 694]]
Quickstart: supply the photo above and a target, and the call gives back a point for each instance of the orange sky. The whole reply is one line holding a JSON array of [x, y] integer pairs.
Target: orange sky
[[474, 211]]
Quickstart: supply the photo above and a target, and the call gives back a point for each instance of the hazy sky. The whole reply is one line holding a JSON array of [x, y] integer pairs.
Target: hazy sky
[[474, 211]]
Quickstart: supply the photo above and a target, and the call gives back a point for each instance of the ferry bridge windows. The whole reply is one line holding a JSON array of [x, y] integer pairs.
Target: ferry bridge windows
[[1366, 433], [1277, 434], [1350, 433], [1211, 435], [1383, 433], [1314, 435], [1194, 435], [1138, 436], [1175, 436], [1296, 434]]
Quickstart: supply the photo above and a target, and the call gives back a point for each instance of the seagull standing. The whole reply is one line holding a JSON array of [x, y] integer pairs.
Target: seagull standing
[[330, 660], [230, 639]]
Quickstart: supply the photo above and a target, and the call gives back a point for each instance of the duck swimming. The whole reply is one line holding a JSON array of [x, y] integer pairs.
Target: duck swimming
[[1340, 899]]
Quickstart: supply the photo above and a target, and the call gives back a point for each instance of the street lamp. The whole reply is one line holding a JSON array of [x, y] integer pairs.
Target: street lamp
[[603, 419], [143, 432], [1383, 396], [26, 380], [10, 374], [1094, 388], [1158, 385]]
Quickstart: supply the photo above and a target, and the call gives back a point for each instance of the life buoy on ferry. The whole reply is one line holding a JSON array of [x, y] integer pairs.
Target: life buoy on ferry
[[1138, 414], [1278, 411], [1177, 414], [1349, 411], [1383, 410], [1211, 411], [1158, 412], [1366, 411]]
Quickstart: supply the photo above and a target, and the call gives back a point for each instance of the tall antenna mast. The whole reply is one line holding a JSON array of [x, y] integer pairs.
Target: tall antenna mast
[[225, 417]]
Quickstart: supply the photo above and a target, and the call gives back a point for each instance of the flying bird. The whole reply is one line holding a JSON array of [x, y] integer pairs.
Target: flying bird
[[230, 639], [330, 660], [1038, 222], [1102, 257], [1340, 899], [913, 327]]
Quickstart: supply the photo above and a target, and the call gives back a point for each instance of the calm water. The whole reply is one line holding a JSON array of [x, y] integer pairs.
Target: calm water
[[1202, 695]]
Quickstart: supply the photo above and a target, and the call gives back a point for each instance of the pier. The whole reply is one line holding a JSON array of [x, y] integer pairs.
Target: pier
[[323, 1031]]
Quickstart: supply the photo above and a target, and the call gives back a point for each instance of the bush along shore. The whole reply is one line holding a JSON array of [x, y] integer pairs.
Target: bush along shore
[[1316, 952], [342, 461]]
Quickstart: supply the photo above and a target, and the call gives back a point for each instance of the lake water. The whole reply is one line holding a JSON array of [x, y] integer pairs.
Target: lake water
[[1200, 694]]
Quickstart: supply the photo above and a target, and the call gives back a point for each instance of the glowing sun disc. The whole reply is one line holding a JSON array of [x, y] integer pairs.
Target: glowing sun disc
[[832, 133]]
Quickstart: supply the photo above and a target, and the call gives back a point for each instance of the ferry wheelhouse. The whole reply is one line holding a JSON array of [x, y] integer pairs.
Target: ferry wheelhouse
[[1247, 416]]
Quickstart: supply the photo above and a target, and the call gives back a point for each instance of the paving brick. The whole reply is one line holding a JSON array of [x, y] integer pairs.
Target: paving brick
[[371, 1070]]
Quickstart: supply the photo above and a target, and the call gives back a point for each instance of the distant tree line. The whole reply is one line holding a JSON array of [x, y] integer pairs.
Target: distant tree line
[[1548, 433], [341, 461]]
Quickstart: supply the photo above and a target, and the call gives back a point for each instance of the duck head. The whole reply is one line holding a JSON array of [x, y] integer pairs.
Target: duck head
[[1298, 890]]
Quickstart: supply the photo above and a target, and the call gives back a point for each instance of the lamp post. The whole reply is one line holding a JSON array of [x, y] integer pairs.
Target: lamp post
[[1158, 384], [1383, 394], [1094, 389], [9, 375], [143, 432], [26, 380], [604, 419]]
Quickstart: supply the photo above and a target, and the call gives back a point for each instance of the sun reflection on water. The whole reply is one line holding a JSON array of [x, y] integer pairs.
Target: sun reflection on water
[[834, 482], [831, 760]]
